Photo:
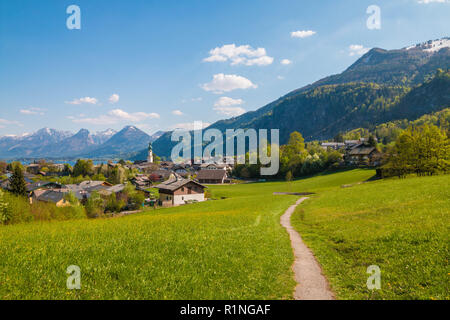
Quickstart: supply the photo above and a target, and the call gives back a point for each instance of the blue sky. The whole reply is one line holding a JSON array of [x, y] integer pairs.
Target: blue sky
[[150, 63]]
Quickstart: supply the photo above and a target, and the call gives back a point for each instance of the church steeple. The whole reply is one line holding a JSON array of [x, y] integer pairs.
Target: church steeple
[[150, 153]]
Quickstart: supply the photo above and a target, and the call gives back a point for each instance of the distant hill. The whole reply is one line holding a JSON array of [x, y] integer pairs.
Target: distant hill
[[26, 145], [381, 86], [54, 144]]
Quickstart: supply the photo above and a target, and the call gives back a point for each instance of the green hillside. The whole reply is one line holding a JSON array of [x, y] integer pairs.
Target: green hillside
[[232, 248], [325, 111], [400, 225]]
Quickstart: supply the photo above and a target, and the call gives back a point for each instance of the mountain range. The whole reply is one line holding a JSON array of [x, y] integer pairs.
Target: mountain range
[[381, 86], [51, 143]]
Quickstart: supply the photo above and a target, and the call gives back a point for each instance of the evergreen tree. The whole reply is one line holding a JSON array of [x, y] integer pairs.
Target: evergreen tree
[[17, 182]]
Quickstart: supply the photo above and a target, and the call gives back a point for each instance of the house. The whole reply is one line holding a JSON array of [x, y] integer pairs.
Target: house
[[363, 155], [332, 145], [116, 189], [33, 168], [84, 189], [178, 191], [41, 185], [161, 175], [52, 196], [212, 176], [141, 181]]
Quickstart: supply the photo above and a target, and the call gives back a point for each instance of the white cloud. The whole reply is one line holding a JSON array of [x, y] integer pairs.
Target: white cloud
[[177, 113], [431, 1], [33, 111], [357, 49], [116, 116], [226, 102], [244, 55], [230, 111], [224, 106], [280, 77], [227, 82], [187, 126], [85, 100], [5, 122], [114, 98], [302, 34], [286, 62]]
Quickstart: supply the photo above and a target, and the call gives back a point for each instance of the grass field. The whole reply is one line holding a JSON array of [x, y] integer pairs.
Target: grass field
[[400, 225], [233, 248]]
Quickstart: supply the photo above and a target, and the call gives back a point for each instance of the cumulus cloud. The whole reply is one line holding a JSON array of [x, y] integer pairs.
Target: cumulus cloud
[[114, 98], [357, 49], [85, 100], [32, 111], [230, 111], [302, 34], [432, 1], [116, 116], [286, 62], [177, 113], [226, 102], [227, 82], [237, 55]]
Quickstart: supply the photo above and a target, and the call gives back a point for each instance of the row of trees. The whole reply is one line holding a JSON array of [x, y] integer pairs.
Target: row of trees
[[296, 159], [422, 150]]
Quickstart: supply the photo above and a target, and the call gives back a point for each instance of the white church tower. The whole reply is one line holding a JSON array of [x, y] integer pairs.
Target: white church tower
[[150, 153]]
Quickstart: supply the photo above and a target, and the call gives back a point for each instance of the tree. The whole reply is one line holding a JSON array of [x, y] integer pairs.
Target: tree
[[339, 137], [114, 205], [3, 166], [83, 168], [94, 205], [422, 150], [5, 210], [296, 142], [17, 182], [289, 176], [67, 169], [372, 142]]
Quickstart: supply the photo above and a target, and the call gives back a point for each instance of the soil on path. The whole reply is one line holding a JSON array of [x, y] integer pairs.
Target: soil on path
[[311, 283]]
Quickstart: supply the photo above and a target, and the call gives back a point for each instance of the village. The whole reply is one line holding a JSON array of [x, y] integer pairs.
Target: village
[[163, 183]]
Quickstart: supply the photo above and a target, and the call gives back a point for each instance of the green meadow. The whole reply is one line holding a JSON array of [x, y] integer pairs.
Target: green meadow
[[229, 248], [402, 226], [233, 247]]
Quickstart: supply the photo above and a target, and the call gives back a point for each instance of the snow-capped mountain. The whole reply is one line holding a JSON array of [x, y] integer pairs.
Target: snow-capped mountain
[[101, 137], [25, 145], [432, 46]]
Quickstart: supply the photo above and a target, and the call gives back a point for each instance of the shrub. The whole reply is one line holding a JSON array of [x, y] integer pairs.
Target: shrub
[[114, 205], [94, 205], [5, 210]]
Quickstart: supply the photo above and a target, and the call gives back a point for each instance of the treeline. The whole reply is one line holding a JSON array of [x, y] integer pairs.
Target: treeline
[[421, 150], [18, 209], [297, 159], [86, 170], [387, 133]]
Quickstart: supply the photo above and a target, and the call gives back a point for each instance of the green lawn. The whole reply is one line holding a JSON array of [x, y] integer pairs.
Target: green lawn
[[400, 225], [232, 248]]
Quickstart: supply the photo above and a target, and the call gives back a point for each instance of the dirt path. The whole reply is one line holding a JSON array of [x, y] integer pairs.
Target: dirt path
[[311, 283]]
